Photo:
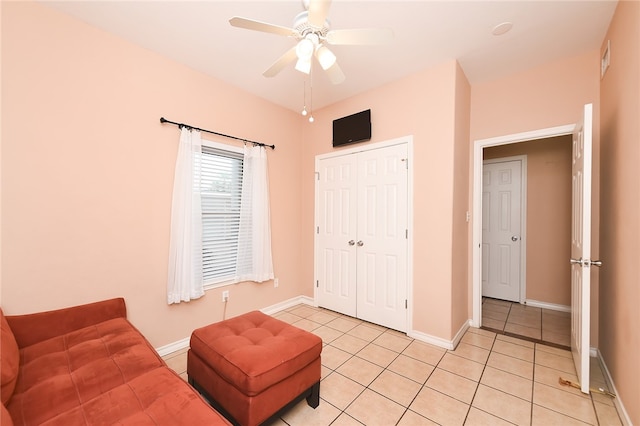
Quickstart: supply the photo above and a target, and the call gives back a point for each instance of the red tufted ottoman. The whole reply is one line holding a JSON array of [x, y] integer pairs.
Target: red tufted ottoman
[[253, 365]]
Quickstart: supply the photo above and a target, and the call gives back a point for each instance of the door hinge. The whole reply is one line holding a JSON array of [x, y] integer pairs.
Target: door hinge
[[317, 175], [406, 234], [406, 162], [317, 229], [406, 304], [317, 283]]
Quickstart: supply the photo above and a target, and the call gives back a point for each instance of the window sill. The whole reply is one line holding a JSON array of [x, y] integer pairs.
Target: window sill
[[212, 286]]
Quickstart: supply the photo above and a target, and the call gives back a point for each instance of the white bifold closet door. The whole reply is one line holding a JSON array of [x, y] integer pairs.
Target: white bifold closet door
[[362, 233]]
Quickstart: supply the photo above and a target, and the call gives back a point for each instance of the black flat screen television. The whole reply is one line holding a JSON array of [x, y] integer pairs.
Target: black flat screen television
[[352, 128]]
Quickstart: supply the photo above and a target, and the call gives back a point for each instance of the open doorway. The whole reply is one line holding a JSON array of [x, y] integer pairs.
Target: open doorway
[[541, 311]]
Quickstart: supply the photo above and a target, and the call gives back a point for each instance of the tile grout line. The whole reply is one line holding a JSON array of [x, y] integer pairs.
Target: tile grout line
[[478, 383], [495, 337], [553, 410], [533, 381], [421, 387], [367, 386], [423, 384]]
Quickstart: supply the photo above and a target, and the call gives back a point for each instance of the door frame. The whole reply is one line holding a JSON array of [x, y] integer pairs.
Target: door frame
[[408, 140], [476, 245], [523, 219]]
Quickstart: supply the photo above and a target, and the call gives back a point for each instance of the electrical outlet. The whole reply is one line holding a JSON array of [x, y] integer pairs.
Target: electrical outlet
[[225, 295], [276, 283]]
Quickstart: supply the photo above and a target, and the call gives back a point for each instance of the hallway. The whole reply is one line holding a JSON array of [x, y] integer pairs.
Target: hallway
[[527, 322]]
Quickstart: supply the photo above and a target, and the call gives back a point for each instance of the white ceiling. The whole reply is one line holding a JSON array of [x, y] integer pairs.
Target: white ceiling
[[198, 34]]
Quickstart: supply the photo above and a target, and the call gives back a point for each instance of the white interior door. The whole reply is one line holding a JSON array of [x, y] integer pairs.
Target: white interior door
[[382, 236], [336, 234], [501, 229], [581, 246]]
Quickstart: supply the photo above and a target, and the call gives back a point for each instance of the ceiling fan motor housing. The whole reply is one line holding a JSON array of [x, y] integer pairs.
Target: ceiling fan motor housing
[[302, 26]]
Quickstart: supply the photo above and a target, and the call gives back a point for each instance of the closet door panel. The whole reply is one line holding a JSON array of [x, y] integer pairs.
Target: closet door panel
[[382, 237], [336, 265]]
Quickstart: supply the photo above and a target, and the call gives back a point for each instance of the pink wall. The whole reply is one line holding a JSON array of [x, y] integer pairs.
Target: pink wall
[[548, 216], [620, 208], [460, 276], [422, 105], [547, 96], [87, 173]]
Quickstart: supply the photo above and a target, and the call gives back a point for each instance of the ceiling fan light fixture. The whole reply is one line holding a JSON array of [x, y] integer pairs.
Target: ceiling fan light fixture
[[326, 58], [304, 65], [305, 48]]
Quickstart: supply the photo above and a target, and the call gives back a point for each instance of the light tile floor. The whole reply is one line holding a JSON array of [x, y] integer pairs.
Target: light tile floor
[[530, 322], [375, 376]]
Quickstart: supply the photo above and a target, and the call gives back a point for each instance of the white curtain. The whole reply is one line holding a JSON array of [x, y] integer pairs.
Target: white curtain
[[185, 248], [254, 241]]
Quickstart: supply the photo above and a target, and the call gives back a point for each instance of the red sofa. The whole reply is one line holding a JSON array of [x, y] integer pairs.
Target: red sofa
[[88, 365]]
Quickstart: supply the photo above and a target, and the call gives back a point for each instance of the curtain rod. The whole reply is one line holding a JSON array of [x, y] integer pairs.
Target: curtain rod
[[164, 120]]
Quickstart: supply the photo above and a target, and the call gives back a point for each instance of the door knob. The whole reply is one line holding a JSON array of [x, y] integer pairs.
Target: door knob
[[586, 262], [515, 238], [360, 243], [351, 242]]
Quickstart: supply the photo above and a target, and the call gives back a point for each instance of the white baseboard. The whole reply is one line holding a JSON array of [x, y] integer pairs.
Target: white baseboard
[[432, 340], [460, 333], [624, 416], [439, 341], [270, 310], [173, 347], [545, 305], [273, 309]]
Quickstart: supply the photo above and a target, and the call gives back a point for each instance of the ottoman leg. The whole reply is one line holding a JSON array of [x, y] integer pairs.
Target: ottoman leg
[[314, 397]]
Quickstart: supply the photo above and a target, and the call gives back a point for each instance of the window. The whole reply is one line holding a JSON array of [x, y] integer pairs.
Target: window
[[221, 190]]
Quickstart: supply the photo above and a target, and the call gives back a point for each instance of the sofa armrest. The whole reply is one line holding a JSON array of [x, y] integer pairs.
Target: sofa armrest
[[33, 328]]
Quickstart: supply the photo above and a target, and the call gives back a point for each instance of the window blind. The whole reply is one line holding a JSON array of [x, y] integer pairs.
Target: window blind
[[221, 190]]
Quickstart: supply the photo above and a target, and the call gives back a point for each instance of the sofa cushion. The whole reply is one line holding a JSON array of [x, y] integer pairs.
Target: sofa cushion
[[254, 351], [103, 374], [33, 328], [65, 372], [5, 418], [9, 360], [157, 397]]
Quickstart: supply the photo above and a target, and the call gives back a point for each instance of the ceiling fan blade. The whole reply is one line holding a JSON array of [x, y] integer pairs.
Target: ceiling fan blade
[[361, 36], [250, 24], [318, 11], [335, 74], [282, 62]]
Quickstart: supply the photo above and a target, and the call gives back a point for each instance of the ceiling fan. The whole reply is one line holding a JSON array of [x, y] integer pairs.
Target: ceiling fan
[[311, 30]]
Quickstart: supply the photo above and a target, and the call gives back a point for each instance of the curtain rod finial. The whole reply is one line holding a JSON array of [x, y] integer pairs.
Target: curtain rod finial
[[162, 119]]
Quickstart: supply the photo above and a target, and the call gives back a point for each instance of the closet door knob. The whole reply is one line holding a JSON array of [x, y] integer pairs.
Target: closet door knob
[[351, 242], [360, 243]]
